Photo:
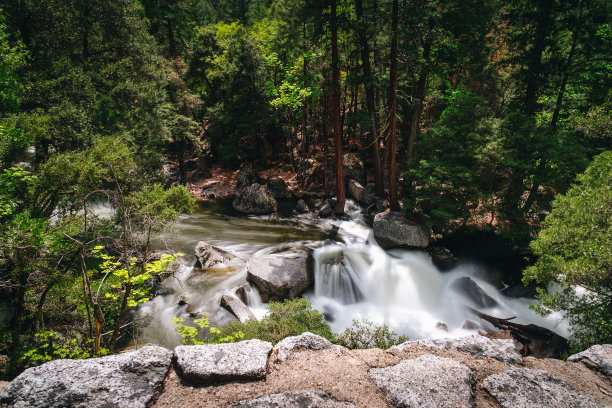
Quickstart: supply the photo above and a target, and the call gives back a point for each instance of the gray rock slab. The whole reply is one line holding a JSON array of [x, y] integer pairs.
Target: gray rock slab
[[209, 256], [236, 307], [470, 289], [131, 379], [301, 399], [600, 355], [503, 350], [527, 388], [392, 230], [281, 276], [426, 381], [245, 360], [305, 341], [255, 199]]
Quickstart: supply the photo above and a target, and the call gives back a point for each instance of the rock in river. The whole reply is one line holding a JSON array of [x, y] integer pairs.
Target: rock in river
[[281, 276], [392, 230], [236, 307], [130, 379], [209, 255], [255, 199]]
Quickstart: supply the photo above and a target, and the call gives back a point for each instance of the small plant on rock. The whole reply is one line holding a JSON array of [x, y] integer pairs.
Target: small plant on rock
[[364, 334]]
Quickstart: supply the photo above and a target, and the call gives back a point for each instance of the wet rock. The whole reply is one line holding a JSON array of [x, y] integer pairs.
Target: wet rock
[[130, 379], [481, 347], [302, 207], [600, 355], [247, 177], [306, 340], [209, 255], [245, 360], [363, 195], [281, 276], [242, 293], [278, 187], [255, 199], [470, 325], [325, 210], [470, 289], [302, 399], [353, 167], [236, 307], [442, 326], [427, 381], [528, 388], [182, 300], [443, 258], [392, 230]]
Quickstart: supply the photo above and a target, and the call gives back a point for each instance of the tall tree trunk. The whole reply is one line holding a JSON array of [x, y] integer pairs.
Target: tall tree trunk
[[392, 107], [420, 93], [370, 98], [340, 192]]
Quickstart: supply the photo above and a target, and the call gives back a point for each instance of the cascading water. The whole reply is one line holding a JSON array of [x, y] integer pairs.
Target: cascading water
[[354, 279]]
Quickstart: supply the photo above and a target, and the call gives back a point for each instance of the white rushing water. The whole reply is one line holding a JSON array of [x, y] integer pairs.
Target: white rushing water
[[354, 279]]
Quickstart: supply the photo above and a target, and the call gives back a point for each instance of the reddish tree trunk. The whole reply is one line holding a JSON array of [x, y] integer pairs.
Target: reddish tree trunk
[[392, 107], [340, 193]]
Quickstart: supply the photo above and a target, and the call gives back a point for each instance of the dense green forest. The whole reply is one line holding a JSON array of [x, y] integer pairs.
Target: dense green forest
[[469, 115]]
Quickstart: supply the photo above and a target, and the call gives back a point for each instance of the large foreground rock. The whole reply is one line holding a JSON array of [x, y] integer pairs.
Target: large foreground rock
[[305, 341], [600, 355], [392, 230], [245, 360], [503, 350], [527, 388], [427, 381], [281, 276], [255, 199], [301, 399], [123, 380], [209, 255], [236, 307]]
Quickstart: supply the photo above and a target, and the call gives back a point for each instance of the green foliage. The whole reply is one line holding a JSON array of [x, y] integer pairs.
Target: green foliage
[[364, 334], [12, 180], [50, 345], [291, 317], [190, 334], [575, 252]]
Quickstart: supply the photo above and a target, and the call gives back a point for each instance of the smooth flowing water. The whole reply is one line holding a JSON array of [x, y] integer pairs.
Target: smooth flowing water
[[354, 277]]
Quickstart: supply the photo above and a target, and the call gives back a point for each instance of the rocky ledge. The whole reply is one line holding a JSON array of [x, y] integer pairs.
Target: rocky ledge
[[308, 371]]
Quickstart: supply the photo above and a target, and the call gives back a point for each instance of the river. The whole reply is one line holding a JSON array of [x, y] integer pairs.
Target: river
[[400, 288]]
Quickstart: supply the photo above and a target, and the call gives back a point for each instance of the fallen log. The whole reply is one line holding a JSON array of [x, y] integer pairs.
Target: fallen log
[[536, 340]]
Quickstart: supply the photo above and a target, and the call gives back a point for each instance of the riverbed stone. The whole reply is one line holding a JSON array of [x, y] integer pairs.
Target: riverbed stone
[[479, 346], [528, 388], [305, 341], [278, 187], [131, 379], [600, 355], [302, 207], [255, 199], [302, 399], [246, 177], [245, 360], [281, 276], [470, 289], [392, 230], [426, 381], [208, 255], [236, 307]]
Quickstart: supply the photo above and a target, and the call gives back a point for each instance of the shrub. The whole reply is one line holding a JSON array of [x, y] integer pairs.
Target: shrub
[[364, 334]]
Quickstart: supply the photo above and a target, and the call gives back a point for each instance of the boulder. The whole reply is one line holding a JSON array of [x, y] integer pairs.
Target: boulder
[[306, 340], [470, 289], [255, 199], [302, 207], [325, 210], [209, 255], [353, 167], [242, 293], [281, 276], [600, 355], [245, 360], [481, 347], [426, 381], [528, 388], [278, 187], [246, 177], [392, 230], [132, 379], [236, 307], [470, 325], [363, 195], [302, 399]]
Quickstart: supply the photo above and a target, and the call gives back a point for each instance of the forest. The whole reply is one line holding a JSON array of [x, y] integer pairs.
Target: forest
[[480, 119]]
